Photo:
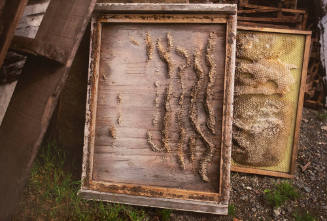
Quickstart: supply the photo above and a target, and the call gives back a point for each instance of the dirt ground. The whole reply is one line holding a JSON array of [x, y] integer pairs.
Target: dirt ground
[[247, 190]]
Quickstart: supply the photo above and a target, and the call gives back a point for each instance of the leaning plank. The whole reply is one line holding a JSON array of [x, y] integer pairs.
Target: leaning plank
[[35, 98], [10, 12]]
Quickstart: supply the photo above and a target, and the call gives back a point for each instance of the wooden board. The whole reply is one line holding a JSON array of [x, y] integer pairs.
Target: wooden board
[[35, 98], [282, 161], [10, 12], [132, 94]]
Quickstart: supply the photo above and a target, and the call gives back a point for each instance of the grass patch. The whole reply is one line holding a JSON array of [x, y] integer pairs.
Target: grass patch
[[322, 115], [306, 216], [51, 194], [164, 214], [231, 210], [280, 194]]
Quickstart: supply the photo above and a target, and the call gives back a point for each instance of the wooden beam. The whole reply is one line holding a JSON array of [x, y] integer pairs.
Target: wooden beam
[[35, 98], [10, 12]]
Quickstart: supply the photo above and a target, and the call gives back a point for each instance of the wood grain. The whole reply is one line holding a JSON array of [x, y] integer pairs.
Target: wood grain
[[128, 158]]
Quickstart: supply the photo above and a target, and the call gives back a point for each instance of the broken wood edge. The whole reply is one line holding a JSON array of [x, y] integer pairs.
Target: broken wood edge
[[107, 188], [38, 48], [166, 8], [306, 53], [175, 204]]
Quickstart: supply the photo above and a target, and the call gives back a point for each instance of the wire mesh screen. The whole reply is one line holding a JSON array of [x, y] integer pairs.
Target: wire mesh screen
[[267, 83]]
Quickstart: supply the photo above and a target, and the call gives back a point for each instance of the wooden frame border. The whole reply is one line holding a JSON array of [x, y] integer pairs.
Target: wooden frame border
[[305, 63], [143, 195]]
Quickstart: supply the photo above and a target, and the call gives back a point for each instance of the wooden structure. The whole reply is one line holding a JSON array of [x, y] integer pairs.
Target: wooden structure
[[10, 12], [261, 15], [36, 95], [297, 87], [126, 86]]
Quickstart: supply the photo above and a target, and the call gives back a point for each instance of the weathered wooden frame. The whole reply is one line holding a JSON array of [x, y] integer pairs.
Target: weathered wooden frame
[[172, 198], [306, 55]]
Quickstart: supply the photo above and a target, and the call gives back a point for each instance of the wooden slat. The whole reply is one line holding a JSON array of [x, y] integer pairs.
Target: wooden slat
[[261, 172], [10, 12], [300, 103], [175, 204], [177, 8], [36, 96]]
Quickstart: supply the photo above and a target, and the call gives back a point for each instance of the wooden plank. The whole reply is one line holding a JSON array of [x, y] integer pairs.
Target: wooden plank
[[226, 143], [39, 48], [300, 103], [284, 19], [288, 10], [174, 204], [36, 96], [261, 172], [10, 12], [178, 8], [6, 92], [133, 170], [274, 30], [31, 20], [9, 73]]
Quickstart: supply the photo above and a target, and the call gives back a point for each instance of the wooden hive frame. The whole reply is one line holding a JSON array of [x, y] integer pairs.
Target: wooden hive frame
[[299, 108], [146, 195]]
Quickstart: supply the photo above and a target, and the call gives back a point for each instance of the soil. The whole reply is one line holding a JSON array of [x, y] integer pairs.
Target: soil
[[248, 190]]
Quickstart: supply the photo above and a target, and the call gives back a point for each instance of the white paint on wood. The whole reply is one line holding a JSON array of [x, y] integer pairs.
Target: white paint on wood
[[6, 92], [31, 20]]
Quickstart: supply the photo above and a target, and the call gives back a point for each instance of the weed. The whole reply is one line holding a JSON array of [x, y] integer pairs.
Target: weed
[[322, 115], [231, 210], [51, 194], [306, 216], [281, 193], [164, 214]]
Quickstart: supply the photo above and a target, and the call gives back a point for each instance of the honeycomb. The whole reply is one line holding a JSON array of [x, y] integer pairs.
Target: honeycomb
[[267, 81]]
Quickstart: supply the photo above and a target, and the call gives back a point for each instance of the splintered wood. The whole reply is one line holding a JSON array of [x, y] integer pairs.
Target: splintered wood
[[162, 102]]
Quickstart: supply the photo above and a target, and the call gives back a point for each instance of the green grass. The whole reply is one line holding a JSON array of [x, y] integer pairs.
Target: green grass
[[231, 210], [164, 214], [322, 115], [280, 194], [51, 194], [298, 216]]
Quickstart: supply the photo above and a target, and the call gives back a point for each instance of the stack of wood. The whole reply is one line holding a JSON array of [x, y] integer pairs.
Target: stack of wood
[[315, 86], [271, 14]]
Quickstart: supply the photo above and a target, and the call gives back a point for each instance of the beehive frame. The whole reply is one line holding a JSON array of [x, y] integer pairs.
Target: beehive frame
[[298, 112], [147, 195]]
